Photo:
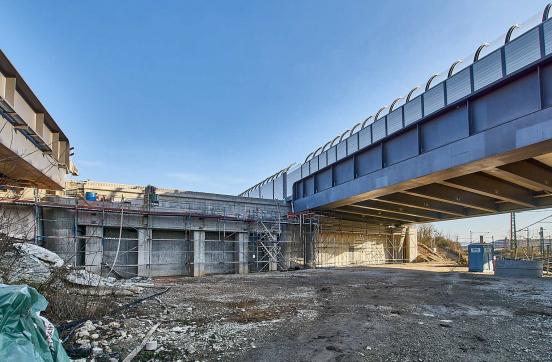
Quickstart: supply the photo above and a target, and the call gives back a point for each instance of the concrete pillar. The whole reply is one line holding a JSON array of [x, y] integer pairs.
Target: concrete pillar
[[199, 253], [242, 251], [309, 248], [94, 249], [144, 252], [273, 258], [411, 243]]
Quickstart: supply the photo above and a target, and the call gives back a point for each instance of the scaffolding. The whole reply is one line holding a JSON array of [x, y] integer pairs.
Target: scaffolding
[[342, 242], [158, 237], [68, 224]]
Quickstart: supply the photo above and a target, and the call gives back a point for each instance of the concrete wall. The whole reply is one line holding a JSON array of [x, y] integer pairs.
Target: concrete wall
[[172, 253], [292, 246], [349, 249], [18, 221], [220, 255], [93, 248], [126, 263], [60, 232], [348, 243], [162, 241]]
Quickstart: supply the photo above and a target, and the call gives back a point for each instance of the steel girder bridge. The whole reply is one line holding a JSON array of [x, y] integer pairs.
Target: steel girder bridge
[[477, 142]]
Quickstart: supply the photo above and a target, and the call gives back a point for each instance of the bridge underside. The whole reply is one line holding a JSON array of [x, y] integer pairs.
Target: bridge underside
[[499, 187], [16, 170]]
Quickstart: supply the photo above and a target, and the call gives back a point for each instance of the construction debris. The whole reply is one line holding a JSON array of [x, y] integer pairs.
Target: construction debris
[[40, 253], [29, 263], [309, 315], [137, 350], [426, 254]]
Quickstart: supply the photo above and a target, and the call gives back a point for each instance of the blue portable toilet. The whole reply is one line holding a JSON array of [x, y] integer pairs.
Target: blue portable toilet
[[480, 257]]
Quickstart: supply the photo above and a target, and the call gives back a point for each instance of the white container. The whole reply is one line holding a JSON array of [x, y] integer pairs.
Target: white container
[[151, 345]]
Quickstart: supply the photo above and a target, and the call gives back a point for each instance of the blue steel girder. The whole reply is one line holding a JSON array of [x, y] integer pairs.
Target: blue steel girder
[[461, 161]]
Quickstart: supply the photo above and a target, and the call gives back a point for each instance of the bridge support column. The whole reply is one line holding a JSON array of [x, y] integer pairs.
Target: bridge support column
[[94, 249], [199, 253], [144, 252], [273, 260], [411, 243], [309, 240], [242, 249]]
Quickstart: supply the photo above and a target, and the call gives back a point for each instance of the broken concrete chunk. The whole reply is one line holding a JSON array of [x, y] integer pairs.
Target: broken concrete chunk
[[40, 253], [114, 325]]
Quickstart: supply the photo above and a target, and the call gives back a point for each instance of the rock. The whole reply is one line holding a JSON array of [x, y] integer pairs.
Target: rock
[[26, 268], [95, 336], [84, 344], [114, 325], [88, 326], [179, 329], [83, 333], [97, 351], [40, 253], [368, 348]]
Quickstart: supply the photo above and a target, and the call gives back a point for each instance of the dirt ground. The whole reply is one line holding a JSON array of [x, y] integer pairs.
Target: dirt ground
[[415, 312]]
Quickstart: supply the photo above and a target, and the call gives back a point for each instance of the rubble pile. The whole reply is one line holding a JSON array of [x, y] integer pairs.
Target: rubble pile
[[114, 337], [198, 320], [30, 263]]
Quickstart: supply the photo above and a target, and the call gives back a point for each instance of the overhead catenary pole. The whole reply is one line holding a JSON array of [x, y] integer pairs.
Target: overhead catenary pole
[[513, 238], [541, 237]]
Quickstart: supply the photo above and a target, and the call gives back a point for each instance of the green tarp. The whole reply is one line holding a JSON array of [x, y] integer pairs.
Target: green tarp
[[24, 334]]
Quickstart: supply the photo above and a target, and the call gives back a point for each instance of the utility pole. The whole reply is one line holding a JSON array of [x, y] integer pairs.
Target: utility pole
[[37, 217], [541, 236]]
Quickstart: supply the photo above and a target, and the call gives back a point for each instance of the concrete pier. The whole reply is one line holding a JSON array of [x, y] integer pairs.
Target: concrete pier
[[144, 252], [199, 253], [242, 248]]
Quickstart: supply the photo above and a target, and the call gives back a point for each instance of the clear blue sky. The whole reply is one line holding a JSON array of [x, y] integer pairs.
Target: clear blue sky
[[215, 95]]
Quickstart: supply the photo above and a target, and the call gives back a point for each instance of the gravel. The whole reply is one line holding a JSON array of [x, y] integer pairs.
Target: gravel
[[360, 314]]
